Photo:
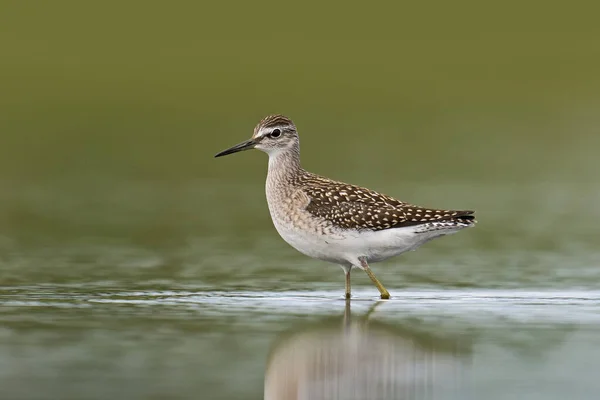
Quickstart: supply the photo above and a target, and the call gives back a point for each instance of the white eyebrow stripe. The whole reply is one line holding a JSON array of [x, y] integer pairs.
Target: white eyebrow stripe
[[259, 134]]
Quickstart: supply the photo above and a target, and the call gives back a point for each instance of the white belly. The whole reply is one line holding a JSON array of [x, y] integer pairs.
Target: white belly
[[345, 247]]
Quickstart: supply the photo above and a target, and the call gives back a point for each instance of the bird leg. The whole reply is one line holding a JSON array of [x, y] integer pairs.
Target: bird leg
[[384, 293], [347, 283]]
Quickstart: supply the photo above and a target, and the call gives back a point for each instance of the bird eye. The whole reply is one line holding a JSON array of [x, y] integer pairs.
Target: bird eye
[[276, 133]]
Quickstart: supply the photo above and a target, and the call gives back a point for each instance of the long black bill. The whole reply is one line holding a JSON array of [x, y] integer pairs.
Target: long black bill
[[247, 145]]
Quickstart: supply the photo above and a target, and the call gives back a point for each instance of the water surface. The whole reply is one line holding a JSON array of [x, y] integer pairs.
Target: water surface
[[98, 342]]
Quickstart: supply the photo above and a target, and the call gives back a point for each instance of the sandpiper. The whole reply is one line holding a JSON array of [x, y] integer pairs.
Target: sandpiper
[[334, 221]]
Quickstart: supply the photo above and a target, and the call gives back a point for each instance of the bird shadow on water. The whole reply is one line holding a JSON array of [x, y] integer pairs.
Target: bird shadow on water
[[355, 357]]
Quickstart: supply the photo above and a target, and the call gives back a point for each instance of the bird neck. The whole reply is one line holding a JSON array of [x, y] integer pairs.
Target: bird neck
[[284, 165]]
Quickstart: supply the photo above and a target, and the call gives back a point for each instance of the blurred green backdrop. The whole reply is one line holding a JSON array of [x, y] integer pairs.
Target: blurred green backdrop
[[110, 113], [150, 91]]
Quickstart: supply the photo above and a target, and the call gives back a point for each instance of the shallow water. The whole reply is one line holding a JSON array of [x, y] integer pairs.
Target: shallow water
[[117, 293], [97, 342], [131, 289]]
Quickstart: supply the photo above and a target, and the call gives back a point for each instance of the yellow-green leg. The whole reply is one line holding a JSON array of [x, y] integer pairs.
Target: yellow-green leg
[[384, 293]]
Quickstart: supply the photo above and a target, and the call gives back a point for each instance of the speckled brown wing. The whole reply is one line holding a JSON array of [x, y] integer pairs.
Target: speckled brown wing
[[353, 207]]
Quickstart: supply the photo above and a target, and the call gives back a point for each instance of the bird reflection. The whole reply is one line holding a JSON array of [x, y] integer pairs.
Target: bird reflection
[[360, 359]]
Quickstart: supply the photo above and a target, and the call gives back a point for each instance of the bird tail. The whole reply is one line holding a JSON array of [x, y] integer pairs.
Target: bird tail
[[465, 217]]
